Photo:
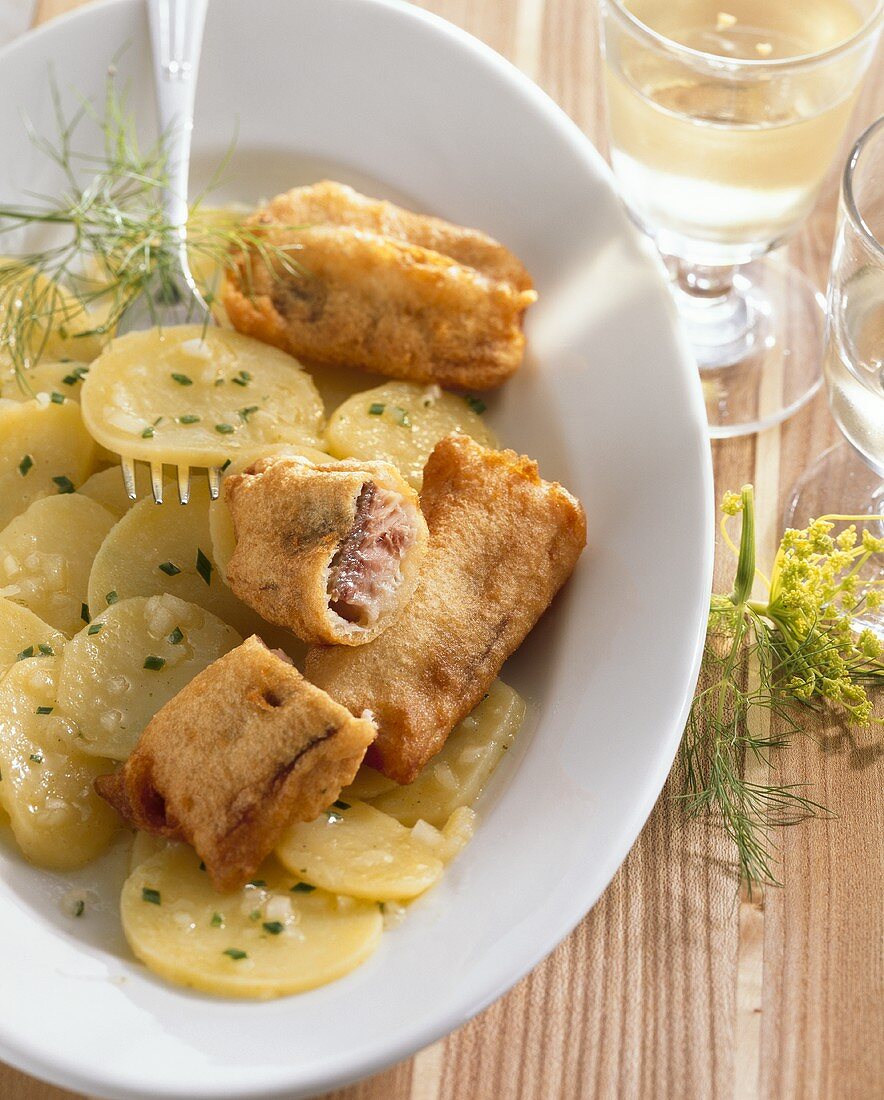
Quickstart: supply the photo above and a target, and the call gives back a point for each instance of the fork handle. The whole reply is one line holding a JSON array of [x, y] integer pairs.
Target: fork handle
[[176, 31]]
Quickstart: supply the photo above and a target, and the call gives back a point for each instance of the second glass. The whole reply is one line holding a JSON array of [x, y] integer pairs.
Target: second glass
[[723, 124]]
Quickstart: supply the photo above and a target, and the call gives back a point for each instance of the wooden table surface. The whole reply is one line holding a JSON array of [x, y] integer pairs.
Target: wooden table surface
[[676, 985]]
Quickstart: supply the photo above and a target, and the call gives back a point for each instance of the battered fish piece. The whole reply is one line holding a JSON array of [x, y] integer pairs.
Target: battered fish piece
[[383, 290], [331, 552], [244, 750], [330, 203], [502, 543]]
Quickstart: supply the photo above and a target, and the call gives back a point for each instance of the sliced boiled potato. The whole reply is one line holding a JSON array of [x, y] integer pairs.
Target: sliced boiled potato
[[167, 548], [107, 488], [368, 785], [64, 327], [190, 397], [49, 376], [263, 941], [44, 450], [457, 775], [57, 818], [220, 520], [356, 850], [336, 384], [402, 422], [23, 634], [134, 657], [46, 556]]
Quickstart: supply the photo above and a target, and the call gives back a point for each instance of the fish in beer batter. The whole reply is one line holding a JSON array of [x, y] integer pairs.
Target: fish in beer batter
[[381, 289], [502, 543]]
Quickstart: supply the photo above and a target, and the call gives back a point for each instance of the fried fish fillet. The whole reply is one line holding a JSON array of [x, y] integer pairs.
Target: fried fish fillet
[[244, 750], [329, 551], [502, 543], [382, 290]]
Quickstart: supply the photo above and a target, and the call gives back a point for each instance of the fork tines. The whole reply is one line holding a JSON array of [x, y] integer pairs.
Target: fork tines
[[182, 474]]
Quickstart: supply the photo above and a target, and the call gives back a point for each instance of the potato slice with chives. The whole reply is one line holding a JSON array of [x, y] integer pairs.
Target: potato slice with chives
[[57, 818], [356, 850], [44, 450], [266, 940], [457, 775], [46, 555], [402, 422], [118, 671], [24, 634], [64, 376], [107, 489], [189, 397], [220, 520]]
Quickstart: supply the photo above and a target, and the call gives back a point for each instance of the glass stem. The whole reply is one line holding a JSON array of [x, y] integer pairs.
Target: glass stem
[[718, 319]]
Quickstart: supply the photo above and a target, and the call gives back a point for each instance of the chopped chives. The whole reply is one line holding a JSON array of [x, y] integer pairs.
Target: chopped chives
[[37, 757], [235, 953], [84, 612], [341, 805], [112, 597], [44, 710], [203, 566], [274, 927], [176, 637], [376, 408], [94, 628], [79, 907], [182, 379], [25, 465], [475, 403], [189, 418], [148, 433], [217, 921], [247, 412], [25, 653], [169, 568], [226, 464], [46, 650], [302, 888], [154, 664], [224, 429], [333, 818], [65, 485], [241, 379], [56, 398], [150, 895]]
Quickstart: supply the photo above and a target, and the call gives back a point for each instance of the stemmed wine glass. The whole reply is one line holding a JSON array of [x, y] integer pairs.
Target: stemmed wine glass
[[848, 479], [724, 117]]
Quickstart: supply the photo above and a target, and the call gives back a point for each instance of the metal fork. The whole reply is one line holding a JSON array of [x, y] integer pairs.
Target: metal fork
[[176, 32]]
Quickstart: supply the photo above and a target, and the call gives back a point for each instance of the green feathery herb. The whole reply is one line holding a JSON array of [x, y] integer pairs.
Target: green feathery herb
[[779, 655], [110, 235]]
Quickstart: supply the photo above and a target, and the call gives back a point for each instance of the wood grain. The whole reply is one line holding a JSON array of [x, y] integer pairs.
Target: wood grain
[[675, 986]]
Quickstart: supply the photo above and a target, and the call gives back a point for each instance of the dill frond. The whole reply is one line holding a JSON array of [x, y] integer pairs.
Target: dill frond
[[775, 659], [110, 235]]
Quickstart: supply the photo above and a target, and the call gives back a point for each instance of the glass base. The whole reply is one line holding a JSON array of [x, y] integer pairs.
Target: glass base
[[840, 483], [758, 345]]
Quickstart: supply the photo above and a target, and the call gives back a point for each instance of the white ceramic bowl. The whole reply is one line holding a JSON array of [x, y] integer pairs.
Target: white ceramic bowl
[[387, 97]]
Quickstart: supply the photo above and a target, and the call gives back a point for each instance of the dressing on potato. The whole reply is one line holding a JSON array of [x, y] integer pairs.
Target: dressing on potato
[[57, 818], [24, 634], [44, 449], [118, 671], [46, 555], [268, 939], [402, 422], [357, 850], [190, 397]]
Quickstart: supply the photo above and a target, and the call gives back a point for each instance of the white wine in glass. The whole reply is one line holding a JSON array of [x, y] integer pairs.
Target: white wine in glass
[[724, 117]]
